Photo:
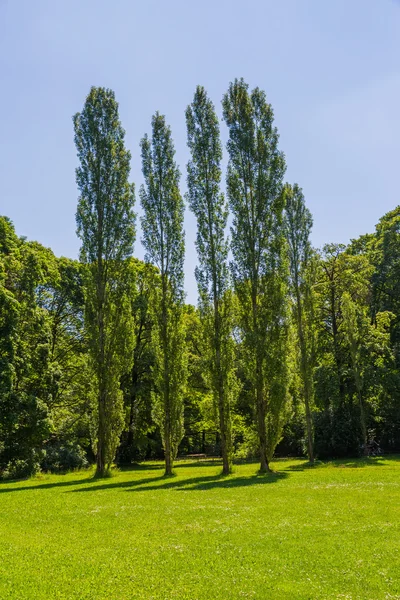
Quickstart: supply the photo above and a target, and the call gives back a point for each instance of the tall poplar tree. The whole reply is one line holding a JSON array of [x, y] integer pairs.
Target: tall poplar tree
[[164, 241], [212, 275], [106, 227], [254, 183], [298, 225]]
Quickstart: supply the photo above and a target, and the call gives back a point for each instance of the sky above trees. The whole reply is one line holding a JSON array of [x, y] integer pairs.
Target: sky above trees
[[330, 70]]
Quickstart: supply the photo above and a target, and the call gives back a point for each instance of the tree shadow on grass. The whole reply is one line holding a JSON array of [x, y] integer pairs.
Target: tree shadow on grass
[[221, 481], [42, 486], [347, 463], [188, 484], [201, 462], [143, 466], [91, 479]]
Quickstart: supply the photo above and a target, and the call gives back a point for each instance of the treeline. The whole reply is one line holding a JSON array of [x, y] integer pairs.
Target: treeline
[[291, 350]]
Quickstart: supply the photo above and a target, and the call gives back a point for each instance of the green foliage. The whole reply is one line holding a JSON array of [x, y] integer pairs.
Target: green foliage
[[63, 456], [138, 382], [164, 241], [106, 227], [290, 349], [24, 426], [212, 274], [260, 271], [298, 225]]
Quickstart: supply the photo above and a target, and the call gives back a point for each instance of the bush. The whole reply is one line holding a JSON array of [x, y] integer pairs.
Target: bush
[[24, 425], [22, 468], [61, 456]]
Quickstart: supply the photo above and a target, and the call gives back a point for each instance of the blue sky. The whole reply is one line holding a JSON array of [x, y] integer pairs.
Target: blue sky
[[331, 70]]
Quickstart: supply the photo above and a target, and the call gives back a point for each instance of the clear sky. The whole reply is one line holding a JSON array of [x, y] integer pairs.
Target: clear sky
[[330, 68]]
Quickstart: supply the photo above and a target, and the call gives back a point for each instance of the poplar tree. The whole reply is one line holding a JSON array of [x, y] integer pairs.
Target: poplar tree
[[254, 184], [298, 227], [106, 227], [163, 239], [212, 275]]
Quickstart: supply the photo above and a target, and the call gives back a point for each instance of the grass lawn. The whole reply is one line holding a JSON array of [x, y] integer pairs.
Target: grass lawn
[[332, 531]]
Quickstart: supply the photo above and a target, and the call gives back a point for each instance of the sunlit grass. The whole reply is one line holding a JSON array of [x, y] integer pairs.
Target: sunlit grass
[[332, 531]]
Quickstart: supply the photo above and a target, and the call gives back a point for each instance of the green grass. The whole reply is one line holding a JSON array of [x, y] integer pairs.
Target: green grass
[[332, 531]]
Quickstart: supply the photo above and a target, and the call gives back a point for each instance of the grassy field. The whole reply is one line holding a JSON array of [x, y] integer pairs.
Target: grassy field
[[332, 531]]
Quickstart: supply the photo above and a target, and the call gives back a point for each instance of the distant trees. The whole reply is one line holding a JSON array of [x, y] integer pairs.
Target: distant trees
[[212, 275], [164, 241], [106, 227], [260, 271]]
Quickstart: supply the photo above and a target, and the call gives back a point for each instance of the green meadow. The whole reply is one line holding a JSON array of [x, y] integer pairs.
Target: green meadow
[[331, 531]]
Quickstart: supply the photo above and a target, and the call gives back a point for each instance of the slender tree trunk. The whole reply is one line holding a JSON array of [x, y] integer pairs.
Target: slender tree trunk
[[101, 458], [262, 433], [260, 399], [309, 426], [307, 384], [225, 443], [168, 450], [223, 409], [168, 456], [102, 426]]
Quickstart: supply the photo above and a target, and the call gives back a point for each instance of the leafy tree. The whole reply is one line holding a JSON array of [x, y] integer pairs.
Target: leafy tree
[[299, 223], [260, 271], [24, 419], [339, 271], [212, 275], [24, 427], [383, 249], [368, 345], [137, 383], [71, 398], [337, 430], [9, 306], [106, 227], [353, 335], [163, 239]]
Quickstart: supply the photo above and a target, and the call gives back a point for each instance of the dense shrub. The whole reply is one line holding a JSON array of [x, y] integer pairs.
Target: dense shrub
[[61, 456]]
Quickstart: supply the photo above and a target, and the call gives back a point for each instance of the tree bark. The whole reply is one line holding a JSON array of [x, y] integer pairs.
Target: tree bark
[[168, 457]]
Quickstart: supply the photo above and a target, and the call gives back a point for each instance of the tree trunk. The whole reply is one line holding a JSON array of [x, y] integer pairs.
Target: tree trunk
[[262, 434], [260, 400], [224, 424], [168, 457], [307, 384], [101, 458], [309, 430], [225, 442]]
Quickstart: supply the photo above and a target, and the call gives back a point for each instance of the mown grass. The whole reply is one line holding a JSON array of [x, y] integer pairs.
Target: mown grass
[[332, 531]]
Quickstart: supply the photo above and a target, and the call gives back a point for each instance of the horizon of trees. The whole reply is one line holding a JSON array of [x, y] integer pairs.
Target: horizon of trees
[[290, 351]]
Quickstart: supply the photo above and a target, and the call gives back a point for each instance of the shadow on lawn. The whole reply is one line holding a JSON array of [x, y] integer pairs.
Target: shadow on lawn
[[42, 486], [194, 483], [91, 479], [349, 463]]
